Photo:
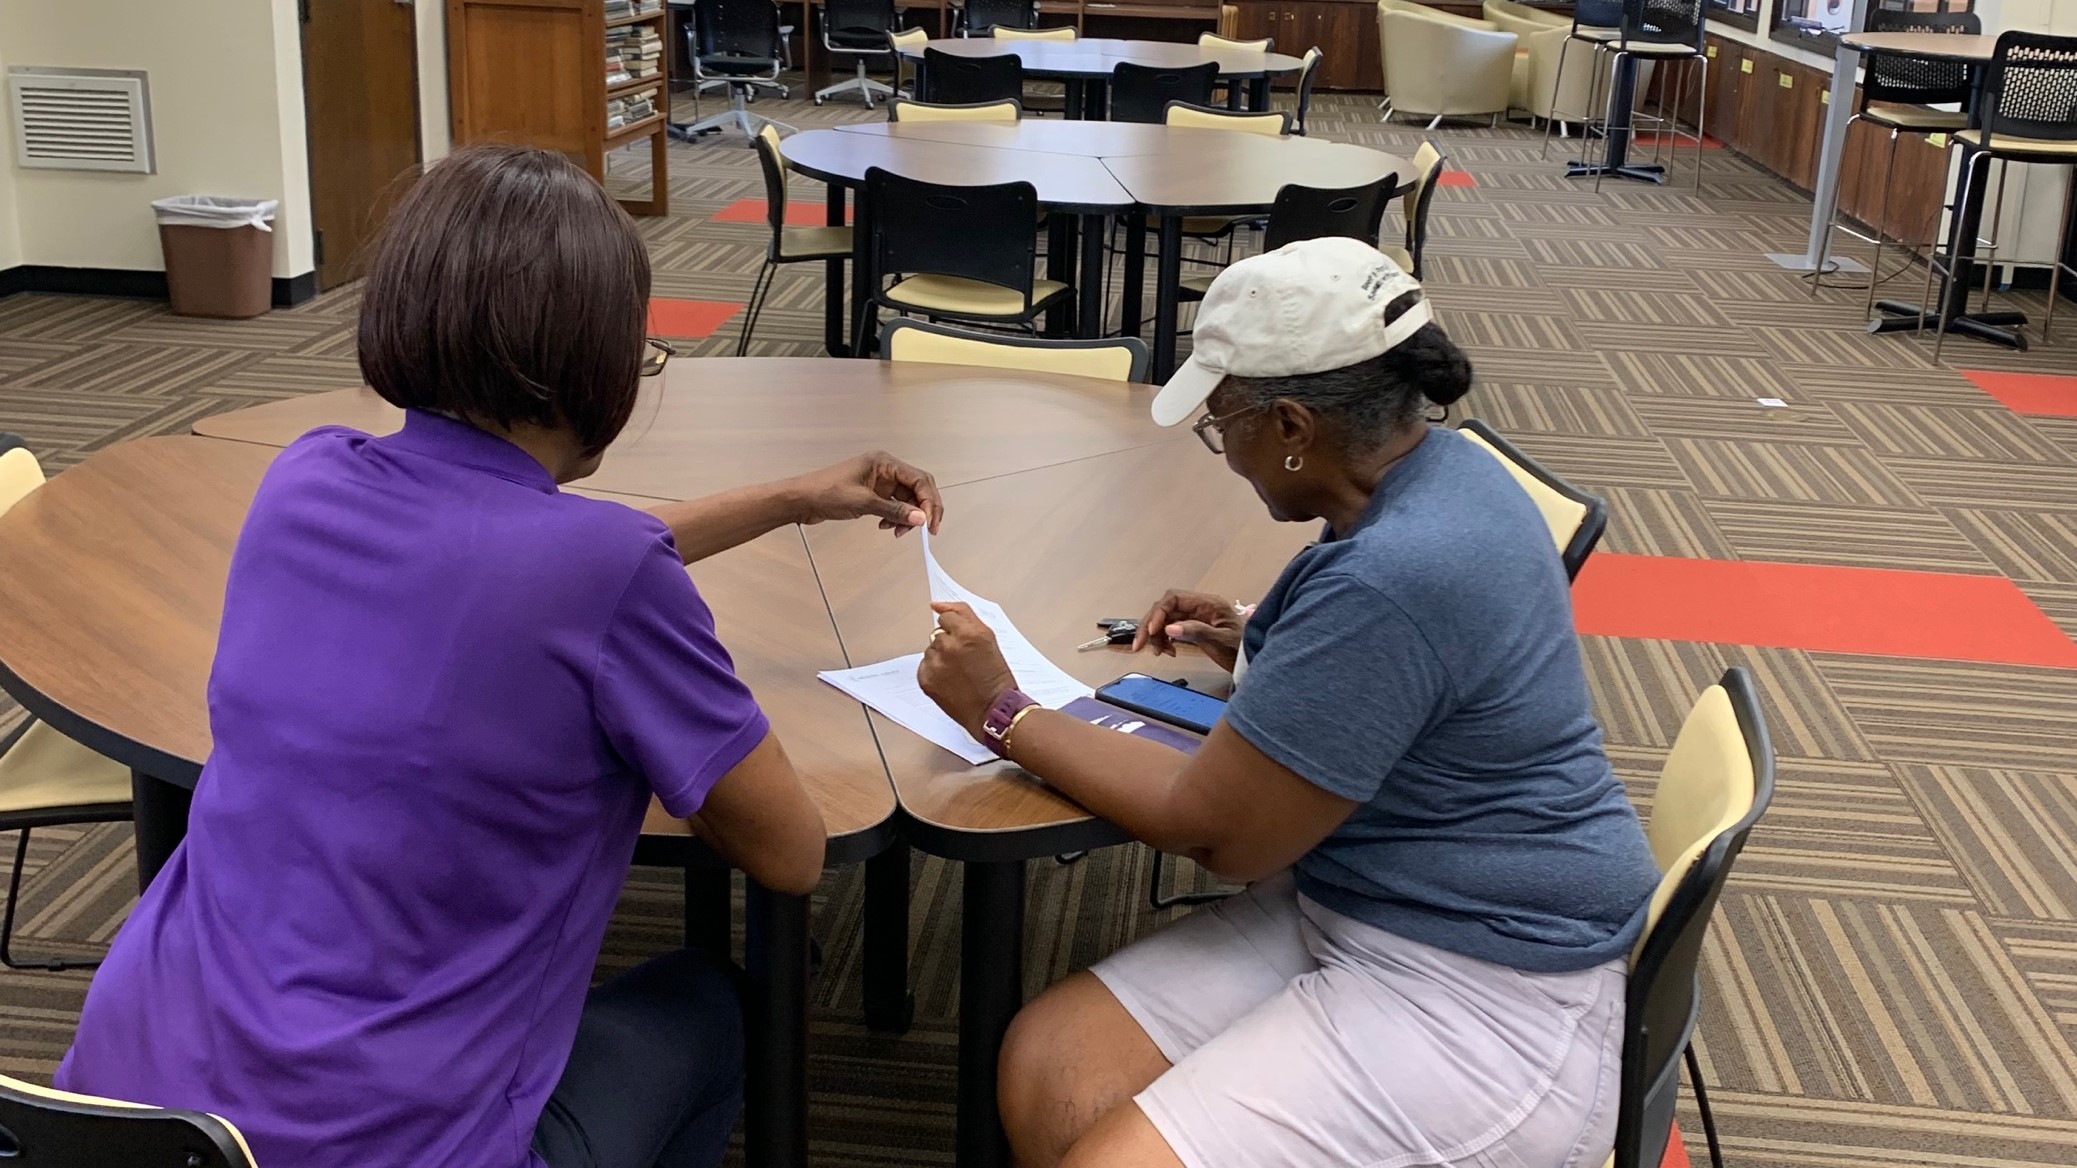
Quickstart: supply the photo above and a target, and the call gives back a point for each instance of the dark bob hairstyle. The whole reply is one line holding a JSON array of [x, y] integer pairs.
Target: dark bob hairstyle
[[509, 289]]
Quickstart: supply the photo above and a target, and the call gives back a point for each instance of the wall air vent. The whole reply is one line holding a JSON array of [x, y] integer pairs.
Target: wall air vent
[[81, 119]]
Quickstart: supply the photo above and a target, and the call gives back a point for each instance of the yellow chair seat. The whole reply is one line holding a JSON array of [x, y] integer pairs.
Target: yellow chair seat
[[1194, 287], [1915, 117], [814, 243], [45, 769], [2008, 145], [1213, 224], [957, 294], [1398, 255]]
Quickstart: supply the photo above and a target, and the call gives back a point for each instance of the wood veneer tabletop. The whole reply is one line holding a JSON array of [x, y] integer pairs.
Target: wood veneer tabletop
[[1058, 548], [111, 590], [723, 422], [1932, 46], [1064, 182], [1097, 56]]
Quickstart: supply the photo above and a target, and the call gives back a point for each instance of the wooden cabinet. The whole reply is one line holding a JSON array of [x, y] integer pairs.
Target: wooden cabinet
[[1344, 30], [534, 72]]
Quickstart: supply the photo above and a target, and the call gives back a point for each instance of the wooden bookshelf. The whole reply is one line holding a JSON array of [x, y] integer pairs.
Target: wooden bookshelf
[[534, 72]]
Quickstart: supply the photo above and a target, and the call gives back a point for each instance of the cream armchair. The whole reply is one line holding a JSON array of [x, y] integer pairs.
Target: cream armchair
[[1443, 66], [1545, 35]]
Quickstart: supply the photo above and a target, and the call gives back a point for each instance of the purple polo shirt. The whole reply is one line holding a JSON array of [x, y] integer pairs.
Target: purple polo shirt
[[443, 694]]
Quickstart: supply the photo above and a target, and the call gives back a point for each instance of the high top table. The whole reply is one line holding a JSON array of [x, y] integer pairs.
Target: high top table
[[1085, 64]]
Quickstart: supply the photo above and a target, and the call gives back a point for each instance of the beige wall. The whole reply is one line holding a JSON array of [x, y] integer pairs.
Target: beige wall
[[227, 104], [10, 229]]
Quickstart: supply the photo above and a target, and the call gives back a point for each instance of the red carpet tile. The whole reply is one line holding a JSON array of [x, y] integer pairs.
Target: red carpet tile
[[2045, 394], [1676, 1152], [690, 320], [799, 213], [1455, 178], [1876, 611]]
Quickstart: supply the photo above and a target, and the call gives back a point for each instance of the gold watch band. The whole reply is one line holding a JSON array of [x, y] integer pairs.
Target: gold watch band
[[1011, 729]]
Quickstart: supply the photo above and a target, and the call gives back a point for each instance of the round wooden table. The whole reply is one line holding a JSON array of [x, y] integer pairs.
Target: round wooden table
[[1093, 169], [1065, 504], [1085, 64]]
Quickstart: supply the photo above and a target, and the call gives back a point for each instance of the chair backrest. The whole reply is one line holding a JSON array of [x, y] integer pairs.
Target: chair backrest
[[1005, 112], [45, 1128], [1715, 785], [984, 16], [1003, 32], [1916, 80], [1204, 117], [1212, 40], [910, 38], [1141, 93], [857, 16], [1314, 213], [1677, 22], [949, 79], [1308, 72], [768, 161], [20, 473], [921, 228], [2030, 89], [736, 28], [1576, 518], [1110, 358], [1428, 163]]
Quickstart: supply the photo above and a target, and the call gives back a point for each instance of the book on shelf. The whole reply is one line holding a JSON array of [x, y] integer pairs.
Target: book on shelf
[[615, 9]]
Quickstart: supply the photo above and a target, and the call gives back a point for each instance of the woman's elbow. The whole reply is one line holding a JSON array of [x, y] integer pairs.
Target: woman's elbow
[[799, 870]]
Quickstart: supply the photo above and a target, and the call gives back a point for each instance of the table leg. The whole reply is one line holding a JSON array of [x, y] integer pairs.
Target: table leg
[[1060, 252], [1258, 93], [833, 285], [1133, 284], [160, 810], [775, 1106], [1090, 272], [862, 341], [889, 1006], [991, 987], [1902, 316], [709, 913], [1622, 99], [1168, 278]]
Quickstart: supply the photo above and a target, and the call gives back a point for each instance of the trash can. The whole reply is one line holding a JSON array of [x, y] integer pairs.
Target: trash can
[[219, 254]]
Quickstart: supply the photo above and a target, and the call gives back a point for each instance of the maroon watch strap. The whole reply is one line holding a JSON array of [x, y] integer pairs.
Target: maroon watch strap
[[1002, 714]]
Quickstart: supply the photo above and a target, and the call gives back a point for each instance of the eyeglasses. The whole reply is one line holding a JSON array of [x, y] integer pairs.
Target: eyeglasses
[[660, 353], [1211, 431]]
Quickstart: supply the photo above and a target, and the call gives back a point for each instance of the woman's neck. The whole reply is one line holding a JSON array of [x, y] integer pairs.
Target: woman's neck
[[1350, 492]]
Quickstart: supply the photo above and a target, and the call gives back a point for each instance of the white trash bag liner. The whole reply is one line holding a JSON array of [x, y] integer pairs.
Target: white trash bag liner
[[215, 211]]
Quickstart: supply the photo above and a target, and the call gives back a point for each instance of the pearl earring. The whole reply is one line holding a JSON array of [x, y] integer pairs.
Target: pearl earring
[[1293, 462]]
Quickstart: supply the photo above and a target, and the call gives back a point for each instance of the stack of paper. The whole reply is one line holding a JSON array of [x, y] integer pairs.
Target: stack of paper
[[890, 687]]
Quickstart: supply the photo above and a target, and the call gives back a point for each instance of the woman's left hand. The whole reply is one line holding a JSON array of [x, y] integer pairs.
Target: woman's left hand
[[874, 484], [963, 670]]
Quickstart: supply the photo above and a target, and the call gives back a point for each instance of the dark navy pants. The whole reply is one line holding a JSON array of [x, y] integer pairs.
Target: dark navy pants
[[656, 1077]]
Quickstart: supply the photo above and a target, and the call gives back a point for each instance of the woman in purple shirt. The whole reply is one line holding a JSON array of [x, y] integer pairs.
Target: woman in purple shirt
[[444, 694]]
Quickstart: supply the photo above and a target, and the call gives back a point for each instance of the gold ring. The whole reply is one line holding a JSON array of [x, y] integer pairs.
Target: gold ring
[[937, 632]]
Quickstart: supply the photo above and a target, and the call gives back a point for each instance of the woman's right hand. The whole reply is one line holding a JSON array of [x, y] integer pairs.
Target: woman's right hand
[[1212, 623]]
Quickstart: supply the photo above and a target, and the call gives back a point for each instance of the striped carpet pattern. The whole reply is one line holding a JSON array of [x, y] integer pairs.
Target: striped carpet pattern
[[1892, 981]]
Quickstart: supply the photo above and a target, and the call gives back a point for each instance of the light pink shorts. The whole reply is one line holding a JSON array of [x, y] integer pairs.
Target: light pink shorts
[[1303, 1039]]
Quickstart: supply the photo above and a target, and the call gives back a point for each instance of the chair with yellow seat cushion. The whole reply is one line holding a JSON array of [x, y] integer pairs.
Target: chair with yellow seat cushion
[[908, 38], [46, 779], [789, 245], [1576, 518], [2027, 114], [958, 252], [1110, 358], [1065, 32], [1231, 95], [1003, 113], [42, 1127], [1215, 228], [1716, 783], [1428, 164]]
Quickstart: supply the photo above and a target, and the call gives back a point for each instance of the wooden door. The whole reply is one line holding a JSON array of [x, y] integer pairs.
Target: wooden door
[[360, 96], [1256, 19]]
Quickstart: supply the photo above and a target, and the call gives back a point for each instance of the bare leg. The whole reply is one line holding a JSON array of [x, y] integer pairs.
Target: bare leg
[[1072, 1060], [1125, 1138]]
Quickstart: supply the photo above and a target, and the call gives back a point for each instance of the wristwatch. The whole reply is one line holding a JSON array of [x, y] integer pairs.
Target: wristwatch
[[1003, 715]]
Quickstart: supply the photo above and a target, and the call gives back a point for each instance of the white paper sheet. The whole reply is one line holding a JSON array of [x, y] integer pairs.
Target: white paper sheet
[[890, 686]]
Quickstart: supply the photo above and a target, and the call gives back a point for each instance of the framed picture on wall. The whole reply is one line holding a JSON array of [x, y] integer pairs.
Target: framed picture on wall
[[1818, 24]]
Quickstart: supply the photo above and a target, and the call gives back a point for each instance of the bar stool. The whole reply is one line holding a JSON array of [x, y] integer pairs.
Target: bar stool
[[1896, 94], [1666, 31], [2027, 114]]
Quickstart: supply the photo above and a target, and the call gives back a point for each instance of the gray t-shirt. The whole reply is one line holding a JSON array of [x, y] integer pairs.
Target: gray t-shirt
[[1425, 665]]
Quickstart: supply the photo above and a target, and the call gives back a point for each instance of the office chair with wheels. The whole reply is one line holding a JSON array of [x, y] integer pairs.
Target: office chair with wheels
[[860, 29], [734, 43], [953, 80], [1142, 93], [46, 779], [42, 1127], [983, 17], [957, 252], [1111, 358]]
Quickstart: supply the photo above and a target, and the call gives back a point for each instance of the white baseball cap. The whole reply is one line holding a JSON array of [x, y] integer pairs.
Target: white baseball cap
[[1307, 307]]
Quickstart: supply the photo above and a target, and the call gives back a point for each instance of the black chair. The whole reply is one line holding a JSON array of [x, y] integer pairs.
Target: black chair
[[1896, 92], [1308, 72], [1667, 31], [949, 79], [982, 17], [734, 44], [953, 252], [1141, 93], [1313, 213], [788, 245], [1428, 163], [43, 1128], [861, 29], [2028, 113]]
